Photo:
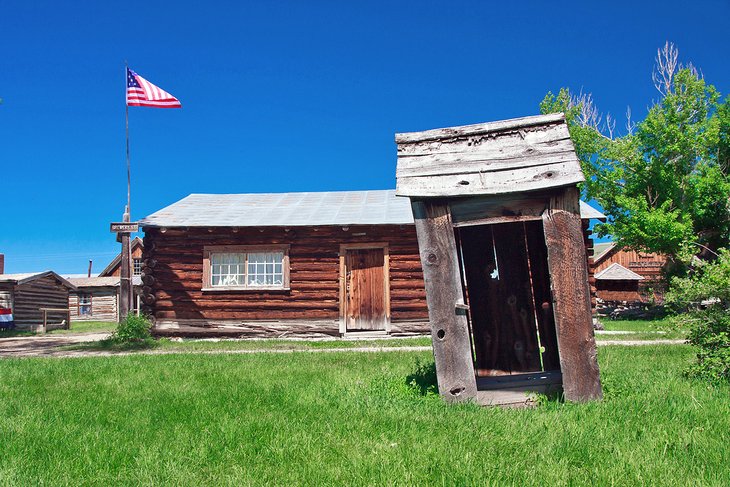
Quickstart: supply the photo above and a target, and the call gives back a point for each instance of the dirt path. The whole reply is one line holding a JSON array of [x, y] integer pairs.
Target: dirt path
[[50, 346]]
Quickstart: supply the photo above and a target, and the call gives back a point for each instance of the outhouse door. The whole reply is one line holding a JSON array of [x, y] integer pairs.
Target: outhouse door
[[365, 289]]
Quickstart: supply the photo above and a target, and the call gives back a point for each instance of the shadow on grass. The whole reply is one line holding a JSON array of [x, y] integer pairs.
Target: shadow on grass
[[110, 345], [7, 333], [423, 379]]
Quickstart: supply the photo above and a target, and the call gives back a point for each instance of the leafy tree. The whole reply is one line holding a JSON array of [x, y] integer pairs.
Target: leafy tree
[[705, 297], [664, 184]]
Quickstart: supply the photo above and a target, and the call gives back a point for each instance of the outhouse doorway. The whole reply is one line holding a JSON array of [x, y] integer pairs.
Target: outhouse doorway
[[364, 288], [506, 280]]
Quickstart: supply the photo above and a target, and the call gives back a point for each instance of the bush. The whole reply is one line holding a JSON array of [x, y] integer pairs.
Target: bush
[[134, 329], [704, 298]]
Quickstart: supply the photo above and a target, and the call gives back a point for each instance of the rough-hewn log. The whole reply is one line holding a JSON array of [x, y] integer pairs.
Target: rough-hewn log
[[449, 328], [571, 294]]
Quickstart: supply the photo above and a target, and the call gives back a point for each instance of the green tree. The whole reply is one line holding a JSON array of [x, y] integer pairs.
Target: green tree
[[664, 184]]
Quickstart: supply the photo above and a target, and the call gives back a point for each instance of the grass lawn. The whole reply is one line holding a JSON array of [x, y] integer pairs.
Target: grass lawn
[[657, 329], [76, 327], [348, 418]]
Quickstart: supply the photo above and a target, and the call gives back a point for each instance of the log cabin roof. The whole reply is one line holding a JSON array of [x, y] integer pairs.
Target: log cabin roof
[[101, 281], [379, 207], [25, 277], [617, 272], [374, 207], [508, 156]]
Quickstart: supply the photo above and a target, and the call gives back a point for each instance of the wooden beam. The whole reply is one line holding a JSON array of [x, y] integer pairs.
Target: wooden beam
[[475, 183], [449, 327], [571, 297]]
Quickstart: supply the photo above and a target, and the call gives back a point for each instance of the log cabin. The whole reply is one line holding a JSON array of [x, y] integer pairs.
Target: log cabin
[[97, 298], [39, 301], [289, 264], [635, 278]]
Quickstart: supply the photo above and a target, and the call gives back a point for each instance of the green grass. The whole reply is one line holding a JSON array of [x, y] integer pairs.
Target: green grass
[[348, 418], [661, 324], [76, 327], [87, 327]]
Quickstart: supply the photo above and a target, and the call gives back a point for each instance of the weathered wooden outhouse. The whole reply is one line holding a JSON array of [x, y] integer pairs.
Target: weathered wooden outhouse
[[499, 233]]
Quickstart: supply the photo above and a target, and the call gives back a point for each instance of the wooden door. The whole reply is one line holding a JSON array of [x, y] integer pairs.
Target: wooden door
[[365, 289]]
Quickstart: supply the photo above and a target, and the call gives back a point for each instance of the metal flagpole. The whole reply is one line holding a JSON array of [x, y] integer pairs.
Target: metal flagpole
[[125, 284]]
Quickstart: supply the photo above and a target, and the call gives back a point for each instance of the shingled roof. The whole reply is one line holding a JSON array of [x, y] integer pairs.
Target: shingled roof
[[375, 207]]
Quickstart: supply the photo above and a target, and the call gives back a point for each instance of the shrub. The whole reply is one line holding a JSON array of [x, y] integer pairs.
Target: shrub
[[704, 297], [134, 329]]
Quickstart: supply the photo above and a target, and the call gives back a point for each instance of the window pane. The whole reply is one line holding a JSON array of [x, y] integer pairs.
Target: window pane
[[265, 268], [226, 269]]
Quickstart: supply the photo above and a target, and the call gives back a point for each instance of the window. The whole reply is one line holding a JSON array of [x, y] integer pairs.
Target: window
[[84, 304], [137, 267], [246, 267]]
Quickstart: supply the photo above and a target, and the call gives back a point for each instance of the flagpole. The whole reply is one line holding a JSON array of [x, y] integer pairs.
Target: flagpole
[[126, 125], [125, 271]]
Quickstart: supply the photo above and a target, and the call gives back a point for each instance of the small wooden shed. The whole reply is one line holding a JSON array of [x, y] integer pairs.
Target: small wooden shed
[[97, 298], [504, 260], [36, 298]]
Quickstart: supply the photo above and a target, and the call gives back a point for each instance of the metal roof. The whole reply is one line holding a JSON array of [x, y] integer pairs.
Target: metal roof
[[379, 207], [101, 281], [617, 272], [31, 276], [375, 207]]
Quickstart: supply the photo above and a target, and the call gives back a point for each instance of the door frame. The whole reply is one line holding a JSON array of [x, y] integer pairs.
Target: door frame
[[343, 280]]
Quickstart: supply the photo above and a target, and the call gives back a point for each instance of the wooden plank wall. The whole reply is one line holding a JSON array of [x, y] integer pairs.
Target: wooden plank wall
[[137, 252], [103, 305], [647, 265], [44, 292], [173, 273]]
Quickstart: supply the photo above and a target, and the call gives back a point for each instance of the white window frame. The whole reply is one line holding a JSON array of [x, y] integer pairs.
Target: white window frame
[[137, 264], [89, 304], [209, 250]]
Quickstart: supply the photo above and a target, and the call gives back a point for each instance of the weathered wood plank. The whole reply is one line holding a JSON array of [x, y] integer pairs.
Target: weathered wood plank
[[571, 296], [479, 128], [510, 181], [459, 163], [449, 327]]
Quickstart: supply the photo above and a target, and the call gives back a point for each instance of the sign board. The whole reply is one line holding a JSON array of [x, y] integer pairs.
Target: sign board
[[125, 227]]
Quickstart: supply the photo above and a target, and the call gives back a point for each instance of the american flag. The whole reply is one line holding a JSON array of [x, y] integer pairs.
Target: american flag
[[142, 93]]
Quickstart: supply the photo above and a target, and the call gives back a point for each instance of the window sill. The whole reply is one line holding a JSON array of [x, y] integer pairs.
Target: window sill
[[239, 289]]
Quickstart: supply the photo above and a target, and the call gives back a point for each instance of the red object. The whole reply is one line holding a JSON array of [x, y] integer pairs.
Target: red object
[[142, 93]]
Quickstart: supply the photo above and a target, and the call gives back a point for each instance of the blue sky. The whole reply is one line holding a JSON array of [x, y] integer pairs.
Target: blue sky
[[287, 96]]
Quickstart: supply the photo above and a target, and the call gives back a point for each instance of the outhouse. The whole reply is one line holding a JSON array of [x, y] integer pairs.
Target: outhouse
[[498, 223]]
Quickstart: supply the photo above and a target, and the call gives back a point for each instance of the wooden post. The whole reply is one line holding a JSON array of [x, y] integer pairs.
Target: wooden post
[[571, 297], [446, 309], [125, 276]]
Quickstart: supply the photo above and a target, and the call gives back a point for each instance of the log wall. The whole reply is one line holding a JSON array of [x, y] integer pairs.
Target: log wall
[[103, 304], [173, 273], [44, 292]]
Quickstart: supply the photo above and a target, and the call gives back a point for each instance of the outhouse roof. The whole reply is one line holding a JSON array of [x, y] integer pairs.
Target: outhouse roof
[[374, 207], [508, 156]]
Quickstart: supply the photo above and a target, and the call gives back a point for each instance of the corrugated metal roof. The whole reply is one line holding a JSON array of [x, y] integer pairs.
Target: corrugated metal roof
[[617, 272], [102, 281], [379, 207], [375, 207], [30, 276], [587, 212]]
